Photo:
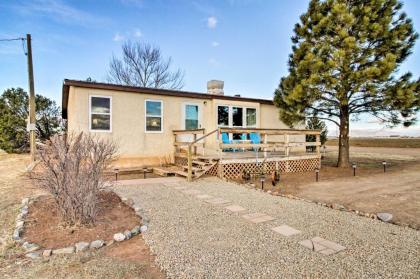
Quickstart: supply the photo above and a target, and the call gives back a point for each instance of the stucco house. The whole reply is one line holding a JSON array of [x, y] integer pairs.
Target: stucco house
[[151, 126]]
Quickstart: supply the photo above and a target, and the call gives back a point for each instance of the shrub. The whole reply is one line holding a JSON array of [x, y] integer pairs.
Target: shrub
[[72, 169]]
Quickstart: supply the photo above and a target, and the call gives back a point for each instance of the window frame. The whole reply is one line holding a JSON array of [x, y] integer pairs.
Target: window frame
[[230, 116], [100, 113], [183, 107], [217, 116], [145, 116], [246, 119]]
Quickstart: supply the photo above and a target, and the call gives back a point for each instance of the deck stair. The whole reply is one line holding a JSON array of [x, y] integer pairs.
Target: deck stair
[[200, 165]]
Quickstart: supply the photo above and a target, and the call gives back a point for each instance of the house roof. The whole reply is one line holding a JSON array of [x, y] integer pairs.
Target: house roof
[[143, 90]]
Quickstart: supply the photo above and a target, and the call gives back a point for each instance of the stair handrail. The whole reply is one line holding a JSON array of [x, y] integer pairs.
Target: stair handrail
[[189, 154]]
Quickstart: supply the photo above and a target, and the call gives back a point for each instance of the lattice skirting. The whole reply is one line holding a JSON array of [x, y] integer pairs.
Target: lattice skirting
[[181, 161], [235, 170]]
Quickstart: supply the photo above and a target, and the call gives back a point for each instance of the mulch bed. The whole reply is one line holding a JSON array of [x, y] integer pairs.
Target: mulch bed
[[44, 228]]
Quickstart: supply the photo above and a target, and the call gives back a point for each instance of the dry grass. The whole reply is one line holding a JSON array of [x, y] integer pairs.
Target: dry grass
[[13, 187], [380, 142]]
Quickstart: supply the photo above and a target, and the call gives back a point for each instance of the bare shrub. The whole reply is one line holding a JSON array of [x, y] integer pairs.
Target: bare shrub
[[72, 169]]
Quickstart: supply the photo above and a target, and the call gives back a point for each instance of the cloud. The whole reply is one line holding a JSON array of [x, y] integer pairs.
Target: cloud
[[215, 44], [211, 22], [118, 37], [137, 33], [59, 11]]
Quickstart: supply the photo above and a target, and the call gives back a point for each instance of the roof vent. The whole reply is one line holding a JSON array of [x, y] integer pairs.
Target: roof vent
[[237, 95], [215, 87]]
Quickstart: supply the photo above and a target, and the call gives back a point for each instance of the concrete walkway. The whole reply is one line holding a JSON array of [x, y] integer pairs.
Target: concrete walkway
[[214, 229]]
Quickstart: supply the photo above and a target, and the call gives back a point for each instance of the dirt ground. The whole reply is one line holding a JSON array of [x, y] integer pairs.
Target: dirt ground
[[113, 216], [130, 259], [397, 191], [380, 142]]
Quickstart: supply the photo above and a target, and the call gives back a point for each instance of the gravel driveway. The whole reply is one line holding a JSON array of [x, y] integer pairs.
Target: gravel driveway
[[195, 239]]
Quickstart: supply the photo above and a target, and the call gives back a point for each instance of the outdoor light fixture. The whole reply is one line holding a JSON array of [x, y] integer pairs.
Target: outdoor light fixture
[[354, 169], [262, 179], [144, 172], [317, 174], [384, 164], [116, 174]]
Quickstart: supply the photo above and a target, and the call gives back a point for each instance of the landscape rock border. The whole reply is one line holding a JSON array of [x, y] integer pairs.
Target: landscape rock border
[[335, 206], [35, 251]]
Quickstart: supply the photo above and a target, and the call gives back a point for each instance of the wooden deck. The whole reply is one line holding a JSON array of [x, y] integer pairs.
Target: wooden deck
[[236, 157]]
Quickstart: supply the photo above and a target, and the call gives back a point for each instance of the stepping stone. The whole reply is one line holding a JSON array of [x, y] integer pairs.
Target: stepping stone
[[323, 246], [202, 197], [217, 201], [192, 192], [257, 217], [286, 230], [235, 208]]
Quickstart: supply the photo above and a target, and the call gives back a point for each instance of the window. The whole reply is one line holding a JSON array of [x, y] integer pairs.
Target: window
[[191, 117], [100, 113], [230, 116], [251, 117], [223, 115], [237, 117], [153, 116]]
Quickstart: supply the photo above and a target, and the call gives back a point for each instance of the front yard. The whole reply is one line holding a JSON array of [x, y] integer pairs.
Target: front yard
[[129, 259]]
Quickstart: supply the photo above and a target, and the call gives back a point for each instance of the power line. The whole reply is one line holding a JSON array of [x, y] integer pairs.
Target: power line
[[14, 39], [17, 39]]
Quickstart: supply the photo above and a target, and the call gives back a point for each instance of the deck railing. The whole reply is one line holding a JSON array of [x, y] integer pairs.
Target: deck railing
[[185, 142], [267, 145]]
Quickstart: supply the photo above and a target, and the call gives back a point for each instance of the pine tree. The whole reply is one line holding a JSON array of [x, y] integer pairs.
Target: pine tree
[[314, 123], [344, 62]]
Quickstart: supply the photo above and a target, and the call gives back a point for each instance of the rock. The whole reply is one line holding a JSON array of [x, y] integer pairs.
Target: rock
[[96, 244], [135, 230], [25, 201], [19, 224], [119, 237], [30, 247], [67, 250], [47, 253], [385, 217], [32, 255], [109, 243], [81, 246], [127, 234], [137, 209], [338, 206], [16, 234], [143, 228], [24, 210]]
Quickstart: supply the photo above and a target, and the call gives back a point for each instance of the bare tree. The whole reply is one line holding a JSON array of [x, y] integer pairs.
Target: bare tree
[[72, 170], [143, 65]]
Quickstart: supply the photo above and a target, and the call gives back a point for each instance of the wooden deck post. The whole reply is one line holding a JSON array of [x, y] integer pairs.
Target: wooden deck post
[[189, 176], [286, 145], [195, 146], [265, 142], [318, 144]]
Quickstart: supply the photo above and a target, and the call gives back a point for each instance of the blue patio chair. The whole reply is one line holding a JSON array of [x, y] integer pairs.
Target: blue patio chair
[[255, 139], [226, 140]]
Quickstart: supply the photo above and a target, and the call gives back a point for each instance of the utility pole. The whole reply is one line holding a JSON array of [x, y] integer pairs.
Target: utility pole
[[31, 124]]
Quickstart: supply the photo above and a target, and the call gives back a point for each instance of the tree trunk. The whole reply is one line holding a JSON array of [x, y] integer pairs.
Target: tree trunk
[[343, 141]]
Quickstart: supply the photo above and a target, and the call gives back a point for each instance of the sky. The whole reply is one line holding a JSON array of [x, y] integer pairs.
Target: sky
[[245, 43]]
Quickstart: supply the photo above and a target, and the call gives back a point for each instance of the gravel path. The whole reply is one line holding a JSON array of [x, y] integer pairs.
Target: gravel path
[[195, 239]]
